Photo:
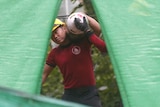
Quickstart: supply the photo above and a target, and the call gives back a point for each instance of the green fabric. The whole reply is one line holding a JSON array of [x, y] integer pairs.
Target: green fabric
[[12, 98], [25, 27], [131, 30]]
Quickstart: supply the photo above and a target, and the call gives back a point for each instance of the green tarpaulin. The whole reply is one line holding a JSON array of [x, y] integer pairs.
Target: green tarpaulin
[[131, 30], [12, 98], [25, 27]]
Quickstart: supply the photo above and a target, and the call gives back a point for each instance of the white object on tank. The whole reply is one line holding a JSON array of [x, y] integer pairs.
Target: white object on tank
[[70, 22]]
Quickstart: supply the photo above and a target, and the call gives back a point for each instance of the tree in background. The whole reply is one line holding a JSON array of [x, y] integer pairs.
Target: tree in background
[[105, 78]]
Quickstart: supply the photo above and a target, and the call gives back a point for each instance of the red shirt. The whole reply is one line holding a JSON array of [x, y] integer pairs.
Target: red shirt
[[75, 63]]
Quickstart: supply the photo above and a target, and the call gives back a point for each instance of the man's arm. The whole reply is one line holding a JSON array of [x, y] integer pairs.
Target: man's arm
[[47, 70], [98, 42], [95, 26]]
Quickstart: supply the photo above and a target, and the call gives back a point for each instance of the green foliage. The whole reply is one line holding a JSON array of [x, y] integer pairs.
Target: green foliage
[[106, 80], [53, 86]]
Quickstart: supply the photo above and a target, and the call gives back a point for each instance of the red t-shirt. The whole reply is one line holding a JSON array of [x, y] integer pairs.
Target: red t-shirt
[[75, 63]]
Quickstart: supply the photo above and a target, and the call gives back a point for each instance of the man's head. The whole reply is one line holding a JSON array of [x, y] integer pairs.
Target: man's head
[[59, 32], [57, 23]]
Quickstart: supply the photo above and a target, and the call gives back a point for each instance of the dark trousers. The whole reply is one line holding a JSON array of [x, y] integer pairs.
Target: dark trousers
[[86, 95]]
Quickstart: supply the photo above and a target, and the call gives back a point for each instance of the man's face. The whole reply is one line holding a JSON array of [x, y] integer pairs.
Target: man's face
[[59, 35]]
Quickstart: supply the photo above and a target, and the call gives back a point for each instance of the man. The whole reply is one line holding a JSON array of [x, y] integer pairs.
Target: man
[[73, 57]]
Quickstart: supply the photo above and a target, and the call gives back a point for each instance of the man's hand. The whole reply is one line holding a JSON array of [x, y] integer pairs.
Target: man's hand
[[83, 26]]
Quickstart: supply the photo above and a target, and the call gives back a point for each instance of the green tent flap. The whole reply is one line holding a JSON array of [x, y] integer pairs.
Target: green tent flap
[[131, 31], [12, 98], [25, 27]]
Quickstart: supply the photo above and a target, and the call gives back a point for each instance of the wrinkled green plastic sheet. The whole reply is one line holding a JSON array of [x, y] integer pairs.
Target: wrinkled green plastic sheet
[[25, 27], [12, 98], [131, 30]]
